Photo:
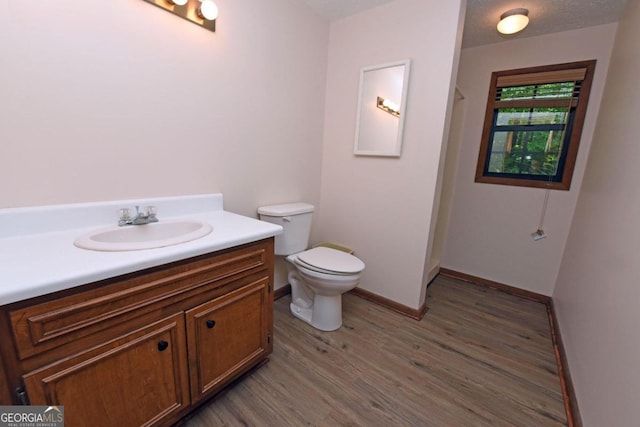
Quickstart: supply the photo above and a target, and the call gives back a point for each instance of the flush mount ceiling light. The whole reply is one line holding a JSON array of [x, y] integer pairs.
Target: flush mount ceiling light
[[513, 21], [200, 12]]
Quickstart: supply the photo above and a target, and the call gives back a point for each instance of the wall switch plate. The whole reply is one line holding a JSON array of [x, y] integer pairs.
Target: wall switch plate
[[538, 234]]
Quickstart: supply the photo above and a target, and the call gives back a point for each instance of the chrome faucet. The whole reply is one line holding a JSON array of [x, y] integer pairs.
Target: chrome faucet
[[144, 216]]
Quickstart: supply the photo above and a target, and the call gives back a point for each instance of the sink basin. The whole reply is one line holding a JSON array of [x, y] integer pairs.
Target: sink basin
[[147, 236]]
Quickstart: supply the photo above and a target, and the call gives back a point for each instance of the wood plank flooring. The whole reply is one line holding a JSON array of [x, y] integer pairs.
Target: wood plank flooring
[[478, 358]]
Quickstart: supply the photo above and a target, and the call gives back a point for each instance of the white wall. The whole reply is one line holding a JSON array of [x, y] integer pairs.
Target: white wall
[[104, 100], [448, 184], [597, 293], [383, 207], [490, 225]]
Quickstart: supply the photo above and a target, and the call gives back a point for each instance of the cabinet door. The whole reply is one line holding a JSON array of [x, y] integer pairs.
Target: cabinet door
[[134, 380], [227, 336]]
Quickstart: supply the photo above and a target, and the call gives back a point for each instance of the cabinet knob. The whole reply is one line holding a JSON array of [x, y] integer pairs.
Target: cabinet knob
[[163, 345], [211, 324]]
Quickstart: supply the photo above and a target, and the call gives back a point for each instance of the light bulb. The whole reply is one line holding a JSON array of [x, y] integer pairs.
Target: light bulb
[[513, 20], [208, 10], [178, 2]]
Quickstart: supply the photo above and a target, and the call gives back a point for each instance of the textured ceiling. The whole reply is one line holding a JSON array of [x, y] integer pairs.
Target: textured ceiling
[[546, 16]]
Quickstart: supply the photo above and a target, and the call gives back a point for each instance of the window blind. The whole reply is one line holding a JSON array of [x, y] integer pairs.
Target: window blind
[[571, 75]]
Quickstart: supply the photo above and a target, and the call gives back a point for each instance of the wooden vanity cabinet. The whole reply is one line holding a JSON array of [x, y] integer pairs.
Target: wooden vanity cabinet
[[138, 379], [144, 348], [226, 336]]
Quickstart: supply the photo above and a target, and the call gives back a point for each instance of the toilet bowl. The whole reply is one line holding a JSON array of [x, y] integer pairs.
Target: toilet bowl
[[318, 278]]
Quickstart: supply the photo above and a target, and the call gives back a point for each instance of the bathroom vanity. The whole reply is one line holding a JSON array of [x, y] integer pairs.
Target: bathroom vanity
[[135, 345]]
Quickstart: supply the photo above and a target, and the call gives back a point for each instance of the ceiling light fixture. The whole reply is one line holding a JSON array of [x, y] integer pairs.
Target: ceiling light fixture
[[513, 21]]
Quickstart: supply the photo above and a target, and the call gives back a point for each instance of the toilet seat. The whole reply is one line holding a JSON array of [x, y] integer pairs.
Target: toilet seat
[[329, 261]]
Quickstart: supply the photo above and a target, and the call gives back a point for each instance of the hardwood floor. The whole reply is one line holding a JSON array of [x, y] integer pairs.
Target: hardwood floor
[[479, 357]]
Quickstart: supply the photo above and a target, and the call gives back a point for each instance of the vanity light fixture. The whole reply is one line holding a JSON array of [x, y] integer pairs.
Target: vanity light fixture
[[200, 12], [513, 21], [388, 106], [207, 10]]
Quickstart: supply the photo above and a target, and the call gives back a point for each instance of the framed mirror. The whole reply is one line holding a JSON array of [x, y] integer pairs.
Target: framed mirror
[[382, 101]]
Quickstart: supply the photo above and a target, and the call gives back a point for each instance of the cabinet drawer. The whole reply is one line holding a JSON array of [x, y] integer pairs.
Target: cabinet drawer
[[134, 380], [108, 304]]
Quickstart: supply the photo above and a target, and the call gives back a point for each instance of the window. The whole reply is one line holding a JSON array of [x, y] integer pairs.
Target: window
[[533, 124]]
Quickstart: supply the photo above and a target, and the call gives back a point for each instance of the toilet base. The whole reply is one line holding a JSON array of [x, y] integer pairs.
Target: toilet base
[[325, 313]]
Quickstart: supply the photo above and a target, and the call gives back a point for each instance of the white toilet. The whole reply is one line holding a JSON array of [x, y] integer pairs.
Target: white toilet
[[318, 276]]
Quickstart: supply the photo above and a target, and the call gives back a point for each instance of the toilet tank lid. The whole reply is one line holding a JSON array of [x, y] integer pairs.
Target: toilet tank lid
[[286, 209]]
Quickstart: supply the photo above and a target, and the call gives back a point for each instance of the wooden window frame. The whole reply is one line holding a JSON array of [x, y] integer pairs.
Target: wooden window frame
[[543, 74]]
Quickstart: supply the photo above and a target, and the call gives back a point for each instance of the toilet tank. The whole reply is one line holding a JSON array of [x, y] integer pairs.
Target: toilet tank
[[295, 219]]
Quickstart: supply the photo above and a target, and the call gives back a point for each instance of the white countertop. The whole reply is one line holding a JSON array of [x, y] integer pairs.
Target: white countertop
[[37, 254]]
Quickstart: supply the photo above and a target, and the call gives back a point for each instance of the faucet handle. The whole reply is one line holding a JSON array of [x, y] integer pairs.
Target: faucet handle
[[152, 211], [125, 214]]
